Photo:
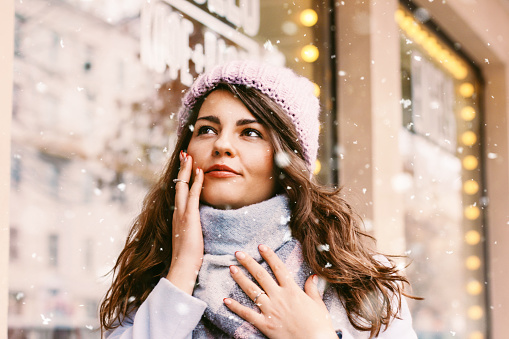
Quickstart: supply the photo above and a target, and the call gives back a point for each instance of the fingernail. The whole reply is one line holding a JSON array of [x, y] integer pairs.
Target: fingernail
[[227, 301], [233, 269], [197, 171], [181, 156], [240, 255], [315, 279], [262, 248]]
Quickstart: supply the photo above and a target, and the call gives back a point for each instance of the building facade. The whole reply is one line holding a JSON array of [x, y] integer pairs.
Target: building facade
[[414, 127]]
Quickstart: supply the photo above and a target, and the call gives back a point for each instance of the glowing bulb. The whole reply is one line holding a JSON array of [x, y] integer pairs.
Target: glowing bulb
[[308, 17], [406, 23], [474, 287], [475, 312], [470, 162], [466, 89], [461, 73], [318, 167], [469, 138], [476, 335], [399, 16], [473, 262], [420, 36], [316, 90], [472, 212], [472, 237], [470, 187], [467, 113], [309, 53]]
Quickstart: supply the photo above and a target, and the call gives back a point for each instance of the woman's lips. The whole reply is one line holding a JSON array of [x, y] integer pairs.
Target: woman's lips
[[221, 174], [220, 171]]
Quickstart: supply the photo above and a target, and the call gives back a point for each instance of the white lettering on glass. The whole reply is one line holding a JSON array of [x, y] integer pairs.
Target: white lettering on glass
[[165, 39], [433, 103]]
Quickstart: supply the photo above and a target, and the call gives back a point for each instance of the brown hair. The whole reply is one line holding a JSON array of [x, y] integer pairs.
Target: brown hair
[[370, 289]]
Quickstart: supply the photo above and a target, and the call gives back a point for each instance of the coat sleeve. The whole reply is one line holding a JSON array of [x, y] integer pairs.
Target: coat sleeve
[[167, 312], [402, 327]]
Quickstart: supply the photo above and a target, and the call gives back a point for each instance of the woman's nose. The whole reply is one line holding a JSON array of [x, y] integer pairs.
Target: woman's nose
[[223, 146]]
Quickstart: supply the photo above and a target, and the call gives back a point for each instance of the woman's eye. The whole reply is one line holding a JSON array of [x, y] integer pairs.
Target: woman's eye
[[249, 132], [206, 130]]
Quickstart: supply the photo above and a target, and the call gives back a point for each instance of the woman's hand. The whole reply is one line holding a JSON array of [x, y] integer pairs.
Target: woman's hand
[[286, 310], [187, 237]]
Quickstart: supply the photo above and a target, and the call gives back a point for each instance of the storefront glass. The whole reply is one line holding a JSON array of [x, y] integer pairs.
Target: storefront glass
[[97, 88], [441, 146]]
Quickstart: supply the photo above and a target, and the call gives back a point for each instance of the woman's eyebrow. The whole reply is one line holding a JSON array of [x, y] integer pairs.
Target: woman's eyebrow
[[243, 122], [211, 118]]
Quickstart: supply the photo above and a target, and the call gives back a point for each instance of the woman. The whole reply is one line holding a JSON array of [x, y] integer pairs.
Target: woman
[[257, 247]]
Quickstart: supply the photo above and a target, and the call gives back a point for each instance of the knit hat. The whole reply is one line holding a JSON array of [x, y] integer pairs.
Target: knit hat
[[293, 93]]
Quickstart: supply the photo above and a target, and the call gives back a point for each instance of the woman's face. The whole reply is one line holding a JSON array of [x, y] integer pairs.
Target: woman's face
[[234, 151]]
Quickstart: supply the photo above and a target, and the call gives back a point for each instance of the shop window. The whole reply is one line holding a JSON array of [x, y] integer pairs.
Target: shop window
[[441, 146], [53, 240]]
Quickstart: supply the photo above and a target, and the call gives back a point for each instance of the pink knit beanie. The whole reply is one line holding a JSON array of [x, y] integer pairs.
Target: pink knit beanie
[[293, 93]]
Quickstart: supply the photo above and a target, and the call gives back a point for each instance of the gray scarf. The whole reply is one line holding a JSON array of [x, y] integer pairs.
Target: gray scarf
[[227, 231]]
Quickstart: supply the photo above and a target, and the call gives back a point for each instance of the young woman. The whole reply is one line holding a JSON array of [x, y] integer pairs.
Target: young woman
[[237, 240]]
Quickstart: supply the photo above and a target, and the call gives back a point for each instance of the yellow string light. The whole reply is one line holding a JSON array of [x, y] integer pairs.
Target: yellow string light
[[473, 262], [468, 138], [309, 53], [476, 335], [470, 162], [442, 54], [308, 17], [466, 89], [472, 237], [474, 287], [467, 113], [470, 187], [475, 312], [472, 212], [316, 90], [318, 167]]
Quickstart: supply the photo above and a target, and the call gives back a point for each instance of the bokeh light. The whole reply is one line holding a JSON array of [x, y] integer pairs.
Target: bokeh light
[[472, 212], [470, 187], [466, 89], [309, 53], [470, 162], [308, 17], [467, 113], [473, 262], [472, 237]]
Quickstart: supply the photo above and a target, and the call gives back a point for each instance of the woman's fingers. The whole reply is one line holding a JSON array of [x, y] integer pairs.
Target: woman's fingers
[[257, 271], [246, 313], [253, 291], [193, 201], [181, 187], [311, 289], [283, 276]]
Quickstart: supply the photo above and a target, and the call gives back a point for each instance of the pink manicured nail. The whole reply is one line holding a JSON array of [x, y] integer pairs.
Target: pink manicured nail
[[233, 269], [240, 255], [262, 248], [227, 301], [315, 279]]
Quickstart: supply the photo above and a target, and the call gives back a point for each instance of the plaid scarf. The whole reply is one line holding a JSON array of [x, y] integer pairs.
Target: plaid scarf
[[227, 231]]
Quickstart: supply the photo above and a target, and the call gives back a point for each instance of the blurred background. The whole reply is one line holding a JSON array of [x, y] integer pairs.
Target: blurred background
[[414, 126]]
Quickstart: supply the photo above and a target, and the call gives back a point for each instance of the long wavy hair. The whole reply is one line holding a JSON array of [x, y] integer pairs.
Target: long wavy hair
[[369, 288]]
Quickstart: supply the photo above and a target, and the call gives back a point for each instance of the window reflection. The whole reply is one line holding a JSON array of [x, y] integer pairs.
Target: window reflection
[[93, 124]]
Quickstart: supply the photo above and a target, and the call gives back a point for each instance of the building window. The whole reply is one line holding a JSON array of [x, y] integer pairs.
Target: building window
[[442, 153], [15, 171], [53, 249], [13, 243]]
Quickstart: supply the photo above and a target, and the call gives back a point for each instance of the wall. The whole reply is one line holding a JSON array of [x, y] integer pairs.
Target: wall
[[6, 55]]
